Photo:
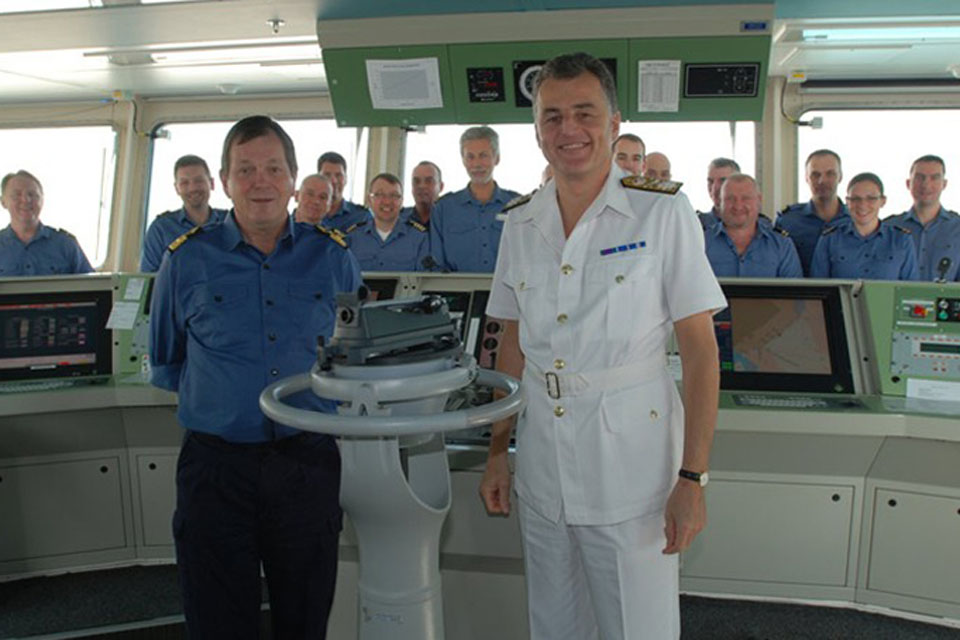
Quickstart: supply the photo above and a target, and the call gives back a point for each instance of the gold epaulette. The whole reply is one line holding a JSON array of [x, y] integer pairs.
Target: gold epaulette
[[516, 202], [334, 234], [651, 184], [417, 225], [355, 225], [782, 231], [902, 229], [173, 246], [828, 230]]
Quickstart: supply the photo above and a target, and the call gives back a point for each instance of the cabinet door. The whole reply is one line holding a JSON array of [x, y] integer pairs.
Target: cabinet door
[[156, 476], [775, 532], [59, 508], [915, 546]]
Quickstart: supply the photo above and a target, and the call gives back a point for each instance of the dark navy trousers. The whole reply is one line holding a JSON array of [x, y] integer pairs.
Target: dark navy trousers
[[243, 505]]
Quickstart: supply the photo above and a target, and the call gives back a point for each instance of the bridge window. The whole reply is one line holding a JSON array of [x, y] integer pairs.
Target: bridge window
[[884, 142], [205, 139], [689, 145], [76, 166]]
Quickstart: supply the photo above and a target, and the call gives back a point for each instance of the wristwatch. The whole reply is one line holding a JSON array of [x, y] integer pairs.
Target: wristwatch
[[700, 478]]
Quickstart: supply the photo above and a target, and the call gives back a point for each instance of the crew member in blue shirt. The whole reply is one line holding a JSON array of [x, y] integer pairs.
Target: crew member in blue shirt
[[804, 221], [465, 229], [238, 306], [427, 183], [343, 213], [313, 199], [935, 230], [718, 170], [389, 242], [860, 246], [739, 245], [27, 246], [193, 183]]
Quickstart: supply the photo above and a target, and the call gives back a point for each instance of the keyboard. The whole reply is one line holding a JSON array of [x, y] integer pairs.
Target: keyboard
[[782, 402], [39, 385]]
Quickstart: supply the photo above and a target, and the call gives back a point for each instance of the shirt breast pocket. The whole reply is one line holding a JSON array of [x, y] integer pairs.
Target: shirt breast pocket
[[221, 320], [312, 309], [531, 291], [630, 295]]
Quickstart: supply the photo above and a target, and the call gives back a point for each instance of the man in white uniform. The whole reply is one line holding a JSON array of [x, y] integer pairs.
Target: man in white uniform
[[591, 277]]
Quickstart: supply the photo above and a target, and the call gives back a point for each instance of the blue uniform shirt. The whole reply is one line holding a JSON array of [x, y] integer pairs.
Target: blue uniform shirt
[[50, 252], [938, 240], [227, 321], [346, 216], [707, 219], [166, 228], [403, 249], [769, 255], [465, 233], [885, 254], [408, 213], [804, 226]]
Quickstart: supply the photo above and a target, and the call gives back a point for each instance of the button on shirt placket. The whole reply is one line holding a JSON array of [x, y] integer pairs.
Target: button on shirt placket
[[568, 418], [270, 292]]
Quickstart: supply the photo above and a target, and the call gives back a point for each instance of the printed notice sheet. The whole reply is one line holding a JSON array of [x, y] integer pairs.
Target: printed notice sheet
[[658, 85], [404, 84]]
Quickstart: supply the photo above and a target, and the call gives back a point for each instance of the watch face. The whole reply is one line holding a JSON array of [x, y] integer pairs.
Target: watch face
[[704, 479]]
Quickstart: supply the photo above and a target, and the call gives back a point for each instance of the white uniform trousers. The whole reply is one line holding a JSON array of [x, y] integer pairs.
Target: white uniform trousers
[[606, 582]]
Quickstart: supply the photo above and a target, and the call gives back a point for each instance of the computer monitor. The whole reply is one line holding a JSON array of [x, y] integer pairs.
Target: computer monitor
[[783, 338], [54, 335]]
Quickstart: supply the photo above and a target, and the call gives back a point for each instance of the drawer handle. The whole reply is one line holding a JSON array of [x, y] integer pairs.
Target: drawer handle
[[836, 497], [152, 466], [892, 502], [104, 469]]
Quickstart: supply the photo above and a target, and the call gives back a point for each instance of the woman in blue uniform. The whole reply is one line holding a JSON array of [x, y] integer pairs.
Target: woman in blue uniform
[[863, 247]]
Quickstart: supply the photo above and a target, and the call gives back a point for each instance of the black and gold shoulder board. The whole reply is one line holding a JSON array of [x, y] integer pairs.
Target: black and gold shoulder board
[[417, 225], [355, 225], [516, 202], [782, 231], [179, 241], [828, 230], [334, 234], [902, 229], [651, 184], [66, 233]]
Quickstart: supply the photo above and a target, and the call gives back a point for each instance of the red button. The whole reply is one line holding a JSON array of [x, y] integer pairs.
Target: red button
[[919, 312]]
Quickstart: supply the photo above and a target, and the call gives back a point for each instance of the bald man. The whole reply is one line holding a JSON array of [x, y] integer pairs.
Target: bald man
[[656, 166]]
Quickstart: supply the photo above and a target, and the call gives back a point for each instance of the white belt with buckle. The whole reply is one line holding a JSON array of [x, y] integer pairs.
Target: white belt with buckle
[[560, 385]]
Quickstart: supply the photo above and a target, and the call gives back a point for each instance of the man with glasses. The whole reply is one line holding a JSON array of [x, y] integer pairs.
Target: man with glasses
[[934, 229], [805, 220], [388, 243], [861, 246]]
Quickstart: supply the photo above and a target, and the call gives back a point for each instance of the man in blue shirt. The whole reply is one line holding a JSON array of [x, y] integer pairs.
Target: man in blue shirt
[[465, 229], [237, 306], [27, 247], [739, 245], [427, 183], [343, 213], [934, 229], [719, 170], [860, 246], [804, 221], [193, 183], [313, 199], [390, 243]]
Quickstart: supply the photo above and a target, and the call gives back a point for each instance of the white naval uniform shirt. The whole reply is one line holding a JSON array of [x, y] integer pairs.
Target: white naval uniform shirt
[[612, 455]]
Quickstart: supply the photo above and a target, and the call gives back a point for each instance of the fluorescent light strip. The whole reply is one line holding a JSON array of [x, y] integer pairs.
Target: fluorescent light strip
[[883, 34]]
